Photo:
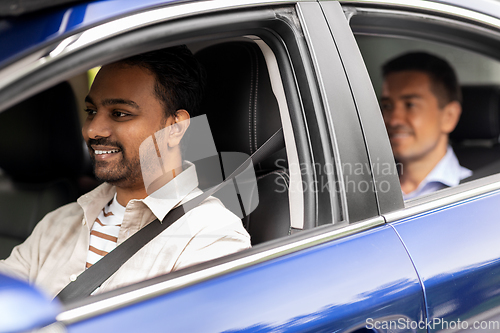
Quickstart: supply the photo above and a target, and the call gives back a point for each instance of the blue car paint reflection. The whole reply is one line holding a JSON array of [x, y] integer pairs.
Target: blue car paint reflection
[[22, 307], [456, 252], [329, 287], [19, 35]]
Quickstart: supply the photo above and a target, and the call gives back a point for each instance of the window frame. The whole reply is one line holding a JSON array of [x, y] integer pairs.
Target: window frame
[[425, 16], [366, 106]]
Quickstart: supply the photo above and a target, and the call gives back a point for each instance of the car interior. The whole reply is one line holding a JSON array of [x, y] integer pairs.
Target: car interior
[[45, 163], [476, 137], [42, 160]]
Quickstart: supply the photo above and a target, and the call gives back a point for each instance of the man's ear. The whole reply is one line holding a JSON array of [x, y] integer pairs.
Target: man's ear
[[179, 127], [450, 116]]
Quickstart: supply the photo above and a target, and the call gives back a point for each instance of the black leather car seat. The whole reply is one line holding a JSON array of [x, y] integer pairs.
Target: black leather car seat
[[243, 113], [476, 137], [475, 140], [41, 156]]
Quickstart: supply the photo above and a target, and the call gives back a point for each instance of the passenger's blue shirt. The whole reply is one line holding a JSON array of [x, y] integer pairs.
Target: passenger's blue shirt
[[448, 172]]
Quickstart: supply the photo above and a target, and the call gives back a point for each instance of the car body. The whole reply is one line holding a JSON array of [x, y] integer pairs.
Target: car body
[[358, 258]]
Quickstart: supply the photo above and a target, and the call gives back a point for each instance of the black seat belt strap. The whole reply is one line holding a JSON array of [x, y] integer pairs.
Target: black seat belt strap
[[93, 277]]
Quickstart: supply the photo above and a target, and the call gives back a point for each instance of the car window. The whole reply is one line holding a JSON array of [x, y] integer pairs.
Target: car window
[[241, 117], [475, 138]]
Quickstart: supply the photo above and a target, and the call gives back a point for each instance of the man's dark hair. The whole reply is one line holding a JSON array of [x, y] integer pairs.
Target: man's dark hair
[[179, 77], [444, 82]]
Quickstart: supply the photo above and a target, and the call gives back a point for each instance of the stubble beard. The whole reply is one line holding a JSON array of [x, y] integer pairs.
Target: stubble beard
[[124, 172], [121, 174]]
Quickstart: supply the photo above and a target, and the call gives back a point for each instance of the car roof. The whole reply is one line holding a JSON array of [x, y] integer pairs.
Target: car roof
[[29, 24], [23, 28]]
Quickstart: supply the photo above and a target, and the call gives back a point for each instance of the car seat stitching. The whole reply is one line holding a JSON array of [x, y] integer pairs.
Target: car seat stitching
[[255, 100], [250, 137]]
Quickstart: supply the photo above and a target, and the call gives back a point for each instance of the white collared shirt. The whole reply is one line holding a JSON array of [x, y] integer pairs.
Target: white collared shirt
[[56, 252], [447, 173]]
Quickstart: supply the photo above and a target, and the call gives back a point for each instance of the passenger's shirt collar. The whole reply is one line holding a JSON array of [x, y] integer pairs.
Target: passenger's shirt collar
[[448, 172]]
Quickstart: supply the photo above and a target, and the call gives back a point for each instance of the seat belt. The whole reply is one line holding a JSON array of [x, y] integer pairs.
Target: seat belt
[[94, 276]]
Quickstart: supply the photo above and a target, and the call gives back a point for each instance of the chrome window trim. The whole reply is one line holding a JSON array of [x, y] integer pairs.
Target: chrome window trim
[[119, 26], [434, 7], [352, 11], [450, 196], [74, 315]]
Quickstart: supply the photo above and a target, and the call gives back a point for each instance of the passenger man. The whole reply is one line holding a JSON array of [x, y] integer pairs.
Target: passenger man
[[130, 100], [421, 105]]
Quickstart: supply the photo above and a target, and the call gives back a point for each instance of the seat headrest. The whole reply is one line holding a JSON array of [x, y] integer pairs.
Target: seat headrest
[[480, 114], [40, 138], [239, 102]]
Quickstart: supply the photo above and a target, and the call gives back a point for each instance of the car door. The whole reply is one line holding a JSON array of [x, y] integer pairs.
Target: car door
[[344, 269], [450, 235]]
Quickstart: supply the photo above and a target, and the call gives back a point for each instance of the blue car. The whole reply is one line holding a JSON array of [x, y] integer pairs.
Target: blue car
[[335, 248]]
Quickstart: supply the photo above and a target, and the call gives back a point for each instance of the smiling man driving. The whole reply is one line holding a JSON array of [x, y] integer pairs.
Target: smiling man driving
[[421, 105], [129, 102]]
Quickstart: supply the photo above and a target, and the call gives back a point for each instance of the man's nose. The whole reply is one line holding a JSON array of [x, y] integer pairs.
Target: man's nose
[[98, 126], [396, 116]]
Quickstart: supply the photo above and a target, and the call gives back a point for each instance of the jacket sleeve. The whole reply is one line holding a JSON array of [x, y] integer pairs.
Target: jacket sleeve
[[26, 259], [19, 262]]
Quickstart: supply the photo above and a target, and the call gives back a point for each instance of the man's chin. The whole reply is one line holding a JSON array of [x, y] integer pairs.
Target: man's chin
[[120, 173], [113, 180], [401, 154], [401, 143], [108, 175], [118, 178], [400, 149], [408, 157]]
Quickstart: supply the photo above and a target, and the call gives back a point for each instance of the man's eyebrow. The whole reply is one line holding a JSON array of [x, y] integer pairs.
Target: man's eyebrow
[[114, 101], [410, 96]]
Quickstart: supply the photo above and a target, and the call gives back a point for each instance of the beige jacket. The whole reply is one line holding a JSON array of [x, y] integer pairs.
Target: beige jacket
[[56, 252]]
